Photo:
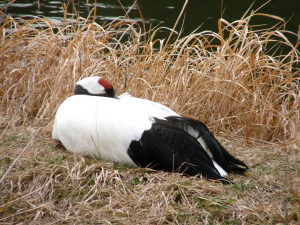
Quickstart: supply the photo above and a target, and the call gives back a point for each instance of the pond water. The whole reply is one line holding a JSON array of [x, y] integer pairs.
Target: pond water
[[204, 13]]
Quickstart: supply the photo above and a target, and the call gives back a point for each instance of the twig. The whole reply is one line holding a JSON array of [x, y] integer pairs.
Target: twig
[[182, 10]]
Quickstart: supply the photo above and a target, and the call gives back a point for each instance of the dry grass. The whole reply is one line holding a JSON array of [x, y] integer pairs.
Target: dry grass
[[50, 185], [248, 97]]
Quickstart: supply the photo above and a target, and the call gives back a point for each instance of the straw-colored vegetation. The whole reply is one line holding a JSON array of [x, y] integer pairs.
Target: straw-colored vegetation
[[234, 81]]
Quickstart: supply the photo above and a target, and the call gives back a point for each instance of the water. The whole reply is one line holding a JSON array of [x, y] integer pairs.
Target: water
[[204, 13]]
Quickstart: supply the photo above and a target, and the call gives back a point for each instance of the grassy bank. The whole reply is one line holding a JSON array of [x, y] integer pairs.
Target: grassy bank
[[234, 81]]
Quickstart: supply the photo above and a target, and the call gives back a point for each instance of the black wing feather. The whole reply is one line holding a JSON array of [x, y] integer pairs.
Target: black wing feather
[[228, 162], [170, 148]]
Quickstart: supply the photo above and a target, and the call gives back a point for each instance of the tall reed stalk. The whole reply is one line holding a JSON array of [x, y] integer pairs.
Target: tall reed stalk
[[230, 80]]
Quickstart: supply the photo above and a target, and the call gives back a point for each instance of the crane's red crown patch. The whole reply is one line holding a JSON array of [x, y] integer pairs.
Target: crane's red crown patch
[[105, 84]]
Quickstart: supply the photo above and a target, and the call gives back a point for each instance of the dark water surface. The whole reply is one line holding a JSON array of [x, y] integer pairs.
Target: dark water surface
[[165, 13]]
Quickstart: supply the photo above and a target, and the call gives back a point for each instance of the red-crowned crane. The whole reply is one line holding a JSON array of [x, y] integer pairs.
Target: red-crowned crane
[[137, 131]]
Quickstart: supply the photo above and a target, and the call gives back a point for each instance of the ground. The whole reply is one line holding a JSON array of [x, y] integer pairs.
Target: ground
[[50, 185]]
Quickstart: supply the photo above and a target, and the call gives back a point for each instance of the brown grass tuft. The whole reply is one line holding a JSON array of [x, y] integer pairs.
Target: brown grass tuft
[[234, 81], [231, 83], [51, 185]]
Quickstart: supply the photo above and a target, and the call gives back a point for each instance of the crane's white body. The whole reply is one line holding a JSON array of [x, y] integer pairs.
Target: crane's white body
[[105, 127], [132, 130]]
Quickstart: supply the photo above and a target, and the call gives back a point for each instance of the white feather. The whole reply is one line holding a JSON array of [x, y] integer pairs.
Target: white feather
[[222, 172], [218, 167], [95, 125]]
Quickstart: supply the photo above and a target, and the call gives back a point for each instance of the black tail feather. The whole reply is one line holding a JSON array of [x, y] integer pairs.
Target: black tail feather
[[228, 162], [169, 146]]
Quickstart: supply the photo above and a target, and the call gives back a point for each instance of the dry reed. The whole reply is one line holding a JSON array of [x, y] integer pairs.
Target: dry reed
[[231, 84], [229, 80]]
